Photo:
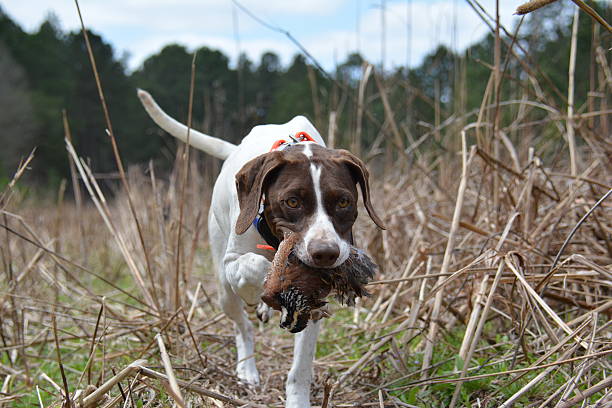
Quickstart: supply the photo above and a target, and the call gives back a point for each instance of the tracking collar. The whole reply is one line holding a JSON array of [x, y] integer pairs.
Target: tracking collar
[[264, 230], [299, 137]]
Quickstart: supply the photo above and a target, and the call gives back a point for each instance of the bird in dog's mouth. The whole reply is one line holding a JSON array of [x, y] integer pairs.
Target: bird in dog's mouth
[[299, 291]]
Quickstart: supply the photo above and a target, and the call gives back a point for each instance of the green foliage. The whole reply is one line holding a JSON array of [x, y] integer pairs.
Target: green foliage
[[293, 95], [60, 77], [16, 114]]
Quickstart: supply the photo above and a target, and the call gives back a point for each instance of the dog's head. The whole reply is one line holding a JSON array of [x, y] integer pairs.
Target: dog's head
[[308, 190]]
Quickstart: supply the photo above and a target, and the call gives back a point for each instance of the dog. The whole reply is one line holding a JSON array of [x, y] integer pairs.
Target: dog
[[279, 179]]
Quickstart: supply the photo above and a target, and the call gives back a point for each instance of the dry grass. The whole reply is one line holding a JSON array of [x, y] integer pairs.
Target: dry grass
[[494, 287]]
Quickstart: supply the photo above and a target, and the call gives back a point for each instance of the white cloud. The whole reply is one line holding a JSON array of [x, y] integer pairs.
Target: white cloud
[[454, 24], [306, 8]]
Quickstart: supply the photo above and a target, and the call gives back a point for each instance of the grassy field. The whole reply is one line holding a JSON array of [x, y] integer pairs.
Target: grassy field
[[493, 290]]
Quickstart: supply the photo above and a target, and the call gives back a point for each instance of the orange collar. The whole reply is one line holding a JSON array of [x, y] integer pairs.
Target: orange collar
[[299, 137]]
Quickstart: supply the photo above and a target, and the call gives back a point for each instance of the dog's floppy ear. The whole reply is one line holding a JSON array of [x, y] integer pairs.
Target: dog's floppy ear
[[360, 175], [250, 181]]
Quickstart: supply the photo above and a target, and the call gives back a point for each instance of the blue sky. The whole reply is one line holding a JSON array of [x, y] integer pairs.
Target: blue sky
[[329, 29]]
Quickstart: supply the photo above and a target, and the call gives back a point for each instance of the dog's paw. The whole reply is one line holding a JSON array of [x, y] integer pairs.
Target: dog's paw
[[246, 276], [247, 372], [264, 312]]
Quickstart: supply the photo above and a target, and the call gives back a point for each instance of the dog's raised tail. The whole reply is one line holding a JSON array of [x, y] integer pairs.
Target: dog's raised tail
[[208, 144]]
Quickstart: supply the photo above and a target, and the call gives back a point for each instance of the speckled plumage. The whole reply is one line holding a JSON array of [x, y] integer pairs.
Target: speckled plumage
[[349, 279], [293, 288], [297, 290]]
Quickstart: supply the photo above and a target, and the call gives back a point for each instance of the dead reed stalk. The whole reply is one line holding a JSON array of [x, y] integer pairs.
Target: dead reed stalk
[[494, 291]]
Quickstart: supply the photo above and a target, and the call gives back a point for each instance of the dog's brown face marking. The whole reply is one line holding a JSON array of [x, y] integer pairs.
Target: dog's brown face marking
[[311, 191], [291, 196]]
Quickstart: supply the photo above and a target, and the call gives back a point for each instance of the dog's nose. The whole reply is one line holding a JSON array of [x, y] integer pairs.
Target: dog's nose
[[324, 253]]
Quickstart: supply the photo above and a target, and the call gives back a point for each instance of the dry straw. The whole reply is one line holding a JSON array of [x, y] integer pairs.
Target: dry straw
[[495, 268]]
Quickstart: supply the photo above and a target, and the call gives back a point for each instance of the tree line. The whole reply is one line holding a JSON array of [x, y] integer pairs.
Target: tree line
[[47, 71]]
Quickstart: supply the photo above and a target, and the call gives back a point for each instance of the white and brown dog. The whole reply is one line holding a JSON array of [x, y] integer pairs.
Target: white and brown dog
[[267, 187]]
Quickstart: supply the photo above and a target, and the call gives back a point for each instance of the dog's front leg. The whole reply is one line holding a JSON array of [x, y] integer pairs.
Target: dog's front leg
[[300, 375], [242, 282]]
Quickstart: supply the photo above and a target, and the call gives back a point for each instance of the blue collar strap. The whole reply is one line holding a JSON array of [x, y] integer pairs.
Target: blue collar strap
[[264, 230]]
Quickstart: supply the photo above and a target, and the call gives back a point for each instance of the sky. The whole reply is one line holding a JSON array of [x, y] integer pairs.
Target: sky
[[329, 29]]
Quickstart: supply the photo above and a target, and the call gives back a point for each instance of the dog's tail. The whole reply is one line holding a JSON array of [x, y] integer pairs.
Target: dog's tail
[[208, 144]]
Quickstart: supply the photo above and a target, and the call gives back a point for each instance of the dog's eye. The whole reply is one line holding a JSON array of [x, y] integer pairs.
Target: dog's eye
[[292, 202], [343, 202]]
